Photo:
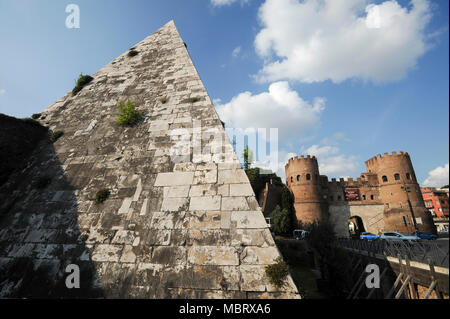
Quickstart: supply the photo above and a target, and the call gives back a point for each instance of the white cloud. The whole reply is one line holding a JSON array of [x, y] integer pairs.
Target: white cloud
[[2, 91], [319, 40], [438, 177], [283, 158], [236, 52], [320, 151], [338, 166], [331, 162], [335, 139], [220, 3], [280, 107]]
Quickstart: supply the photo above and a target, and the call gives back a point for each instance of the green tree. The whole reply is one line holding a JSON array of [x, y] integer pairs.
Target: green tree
[[281, 220], [248, 158], [286, 199]]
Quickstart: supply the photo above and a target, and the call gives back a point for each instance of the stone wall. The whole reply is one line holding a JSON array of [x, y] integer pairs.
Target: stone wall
[[181, 220], [270, 198], [371, 215]]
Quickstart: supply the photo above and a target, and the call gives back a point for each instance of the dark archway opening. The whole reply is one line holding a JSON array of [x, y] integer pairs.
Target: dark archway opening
[[355, 226]]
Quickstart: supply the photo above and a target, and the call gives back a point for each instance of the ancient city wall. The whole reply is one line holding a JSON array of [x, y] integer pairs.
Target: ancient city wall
[[371, 215]]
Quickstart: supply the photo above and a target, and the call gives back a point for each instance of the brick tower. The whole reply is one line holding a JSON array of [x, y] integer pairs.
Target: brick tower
[[398, 183], [303, 180]]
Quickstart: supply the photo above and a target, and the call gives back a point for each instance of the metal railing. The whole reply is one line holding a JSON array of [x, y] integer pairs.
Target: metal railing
[[416, 251]]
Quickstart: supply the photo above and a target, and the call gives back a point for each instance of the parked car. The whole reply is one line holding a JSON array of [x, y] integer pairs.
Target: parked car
[[398, 236], [300, 234], [422, 235], [368, 236]]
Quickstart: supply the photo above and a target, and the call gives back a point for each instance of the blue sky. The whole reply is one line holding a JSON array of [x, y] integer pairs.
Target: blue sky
[[344, 80]]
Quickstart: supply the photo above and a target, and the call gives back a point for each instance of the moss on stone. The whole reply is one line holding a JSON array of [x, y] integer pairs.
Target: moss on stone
[[277, 272], [101, 196], [55, 136]]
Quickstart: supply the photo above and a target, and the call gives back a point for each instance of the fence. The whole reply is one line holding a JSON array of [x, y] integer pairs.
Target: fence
[[416, 251]]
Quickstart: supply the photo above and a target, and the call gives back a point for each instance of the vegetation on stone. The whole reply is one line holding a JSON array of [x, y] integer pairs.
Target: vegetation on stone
[[193, 99], [82, 81], [101, 196], [43, 182], [36, 116], [163, 100], [128, 115], [55, 136], [277, 272], [132, 52]]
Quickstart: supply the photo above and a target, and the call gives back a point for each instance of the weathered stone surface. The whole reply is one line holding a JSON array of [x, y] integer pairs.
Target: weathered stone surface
[[213, 255], [234, 203], [258, 255], [176, 178], [205, 203], [248, 220], [176, 191], [252, 237], [181, 219], [241, 190], [107, 253], [206, 220], [231, 176], [174, 204]]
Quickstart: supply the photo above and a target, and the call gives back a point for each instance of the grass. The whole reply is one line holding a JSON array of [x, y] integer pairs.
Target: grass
[[43, 182], [277, 272], [82, 81], [128, 115], [55, 136], [101, 196]]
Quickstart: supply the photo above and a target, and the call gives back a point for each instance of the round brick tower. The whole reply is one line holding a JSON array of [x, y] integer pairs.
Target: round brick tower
[[303, 179], [395, 177]]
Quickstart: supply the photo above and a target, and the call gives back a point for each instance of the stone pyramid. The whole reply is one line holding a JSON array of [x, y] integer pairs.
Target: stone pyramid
[[181, 220]]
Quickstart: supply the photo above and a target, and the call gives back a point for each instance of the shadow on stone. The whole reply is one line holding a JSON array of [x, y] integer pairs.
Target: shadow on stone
[[39, 233]]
